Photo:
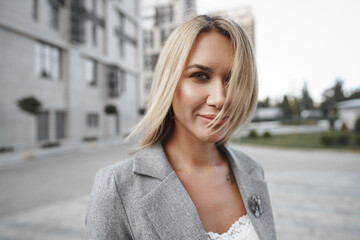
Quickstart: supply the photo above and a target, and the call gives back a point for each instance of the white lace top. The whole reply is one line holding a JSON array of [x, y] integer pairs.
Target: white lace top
[[242, 229]]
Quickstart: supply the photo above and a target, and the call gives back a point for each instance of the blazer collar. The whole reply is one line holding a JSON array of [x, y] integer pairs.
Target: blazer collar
[[152, 162], [249, 186], [171, 209], [168, 205]]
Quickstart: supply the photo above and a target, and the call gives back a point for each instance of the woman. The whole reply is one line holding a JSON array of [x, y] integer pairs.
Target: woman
[[185, 183]]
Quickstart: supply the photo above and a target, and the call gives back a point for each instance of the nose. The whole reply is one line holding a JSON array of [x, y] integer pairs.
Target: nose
[[217, 95]]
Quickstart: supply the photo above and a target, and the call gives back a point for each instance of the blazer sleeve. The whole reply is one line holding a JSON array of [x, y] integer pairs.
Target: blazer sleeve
[[106, 216]]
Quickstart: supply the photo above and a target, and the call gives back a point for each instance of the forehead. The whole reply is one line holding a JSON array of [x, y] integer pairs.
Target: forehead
[[212, 49]]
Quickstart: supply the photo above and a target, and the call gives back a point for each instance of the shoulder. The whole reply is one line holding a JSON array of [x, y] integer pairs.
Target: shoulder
[[245, 162], [134, 177], [117, 178], [107, 183], [106, 216], [122, 168]]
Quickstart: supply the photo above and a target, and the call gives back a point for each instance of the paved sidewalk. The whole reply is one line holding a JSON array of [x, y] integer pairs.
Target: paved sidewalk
[[315, 195], [316, 205], [58, 221], [305, 206]]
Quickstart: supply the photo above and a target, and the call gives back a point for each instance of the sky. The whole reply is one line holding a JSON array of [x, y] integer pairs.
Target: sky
[[298, 41]]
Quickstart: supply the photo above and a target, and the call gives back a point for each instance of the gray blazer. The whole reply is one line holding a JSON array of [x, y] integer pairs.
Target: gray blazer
[[142, 198]]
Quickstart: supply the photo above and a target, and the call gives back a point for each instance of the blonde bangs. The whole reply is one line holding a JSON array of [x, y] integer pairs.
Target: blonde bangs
[[242, 90], [155, 125]]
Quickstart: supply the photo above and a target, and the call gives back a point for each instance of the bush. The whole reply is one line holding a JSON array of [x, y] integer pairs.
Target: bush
[[110, 109], [90, 139], [4, 149], [266, 134], [30, 105], [50, 144], [253, 133], [327, 139], [344, 127], [357, 139], [357, 125], [332, 123], [342, 138]]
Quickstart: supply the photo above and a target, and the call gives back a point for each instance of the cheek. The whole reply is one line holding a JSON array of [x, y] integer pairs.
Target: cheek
[[187, 95]]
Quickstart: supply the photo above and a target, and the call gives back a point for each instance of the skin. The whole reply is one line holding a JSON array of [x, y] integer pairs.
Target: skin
[[202, 169]]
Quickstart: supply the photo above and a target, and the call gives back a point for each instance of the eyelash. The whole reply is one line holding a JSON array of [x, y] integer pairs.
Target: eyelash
[[198, 75], [204, 76], [227, 79]]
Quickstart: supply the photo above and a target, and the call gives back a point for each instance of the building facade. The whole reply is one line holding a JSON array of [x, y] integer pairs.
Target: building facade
[[160, 18], [81, 59], [348, 112], [242, 16]]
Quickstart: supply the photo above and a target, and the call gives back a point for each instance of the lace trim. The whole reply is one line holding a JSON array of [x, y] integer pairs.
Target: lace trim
[[241, 226]]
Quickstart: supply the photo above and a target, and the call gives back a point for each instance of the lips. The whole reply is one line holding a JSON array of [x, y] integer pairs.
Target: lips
[[207, 118]]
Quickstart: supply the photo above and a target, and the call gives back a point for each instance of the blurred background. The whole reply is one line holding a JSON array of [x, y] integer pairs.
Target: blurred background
[[75, 77]]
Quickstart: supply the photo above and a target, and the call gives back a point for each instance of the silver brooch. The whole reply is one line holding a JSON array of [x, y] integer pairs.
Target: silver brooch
[[255, 205]]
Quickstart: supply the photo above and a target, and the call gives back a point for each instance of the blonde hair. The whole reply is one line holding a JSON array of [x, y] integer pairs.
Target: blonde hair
[[242, 89]]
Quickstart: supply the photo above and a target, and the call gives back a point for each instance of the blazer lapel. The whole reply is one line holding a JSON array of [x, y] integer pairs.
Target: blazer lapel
[[249, 186], [168, 205]]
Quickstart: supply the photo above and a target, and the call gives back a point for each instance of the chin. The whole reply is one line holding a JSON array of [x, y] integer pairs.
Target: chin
[[213, 138]]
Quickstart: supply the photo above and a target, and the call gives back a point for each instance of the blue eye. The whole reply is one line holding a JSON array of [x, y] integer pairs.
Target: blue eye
[[200, 75]]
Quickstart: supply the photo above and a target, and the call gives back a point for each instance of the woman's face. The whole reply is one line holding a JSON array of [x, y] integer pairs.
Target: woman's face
[[201, 90]]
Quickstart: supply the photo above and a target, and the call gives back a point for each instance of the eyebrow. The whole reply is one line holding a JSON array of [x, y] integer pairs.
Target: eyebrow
[[207, 69]]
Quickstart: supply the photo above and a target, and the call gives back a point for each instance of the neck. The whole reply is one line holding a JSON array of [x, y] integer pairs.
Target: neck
[[189, 153]]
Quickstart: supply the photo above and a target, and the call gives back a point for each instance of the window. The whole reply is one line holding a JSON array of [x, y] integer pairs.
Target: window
[[165, 33], [94, 6], [54, 21], [148, 82], [77, 17], [43, 126], [35, 8], [154, 59], [94, 29], [90, 71], [60, 125], [148, 63], [92, 120], [116, 81], [121, 33], [164, 14], [124, 36], [149, 39], [48, 61], [94, 33], [55, 6]]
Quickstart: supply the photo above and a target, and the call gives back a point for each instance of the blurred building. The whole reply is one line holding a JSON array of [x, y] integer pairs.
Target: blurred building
[[79, 58], [242, 16], [268, 114], [348, 112], [160, 18]]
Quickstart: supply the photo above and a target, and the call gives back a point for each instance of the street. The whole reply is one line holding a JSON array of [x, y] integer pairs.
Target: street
[[315, 194]]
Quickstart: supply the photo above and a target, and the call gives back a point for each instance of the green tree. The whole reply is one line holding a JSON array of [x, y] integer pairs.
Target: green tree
[[295, 106], [265, 103], [331, 96], [285, 106], [338, 90], [306, 101]]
